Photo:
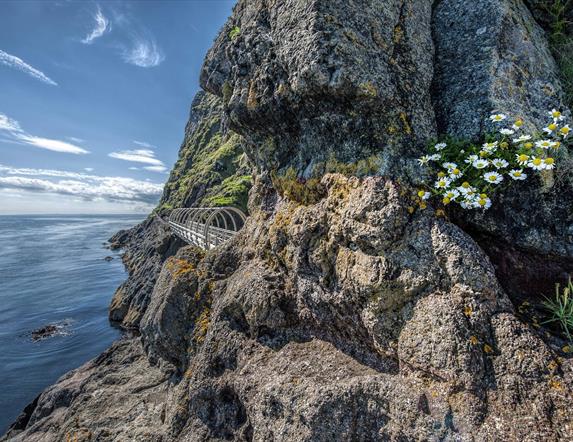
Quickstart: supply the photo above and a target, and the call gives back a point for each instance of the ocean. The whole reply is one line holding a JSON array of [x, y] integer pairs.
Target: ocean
[[53, 270]]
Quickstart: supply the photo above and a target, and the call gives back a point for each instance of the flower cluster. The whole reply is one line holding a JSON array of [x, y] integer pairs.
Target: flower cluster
[[469, 174]]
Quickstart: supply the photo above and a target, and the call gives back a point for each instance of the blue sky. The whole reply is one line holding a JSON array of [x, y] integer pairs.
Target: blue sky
[[94, 97]]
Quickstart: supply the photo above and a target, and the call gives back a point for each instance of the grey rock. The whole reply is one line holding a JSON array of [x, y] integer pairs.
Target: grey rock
[[306, 80], [491, 56]]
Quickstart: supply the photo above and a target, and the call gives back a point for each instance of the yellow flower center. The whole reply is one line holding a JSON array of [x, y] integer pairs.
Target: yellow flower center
[[517, 173], [497, 118], [528, 145], [483, 195], [465, 185], [552, 126], [441, 174], [549, 161], [421, 193], [482, 202], [456, 171], [519, 123], [523, 157], [556, 114], [446, 200], [565, 130], [556, 144], [492, 177], [536, 161]]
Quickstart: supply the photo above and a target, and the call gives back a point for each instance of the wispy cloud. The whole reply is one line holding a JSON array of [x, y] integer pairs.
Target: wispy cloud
[[143, 52], [156, 168], [102, 25], [144, 156], [19, 64], [134, 42], [88, 187], [144, 144], [15, 134], [89, 169]]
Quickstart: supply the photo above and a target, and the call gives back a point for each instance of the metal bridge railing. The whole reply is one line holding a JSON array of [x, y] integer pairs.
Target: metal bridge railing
[[206, 227]]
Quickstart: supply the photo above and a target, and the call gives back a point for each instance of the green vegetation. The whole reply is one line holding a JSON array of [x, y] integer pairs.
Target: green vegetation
[[212, 168], [561, 309], [233, 191], [234, 33], [308, 191], [561, 40]]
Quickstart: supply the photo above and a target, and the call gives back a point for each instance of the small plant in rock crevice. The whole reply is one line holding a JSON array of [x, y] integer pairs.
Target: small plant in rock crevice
[[470, 174], [561, 309]]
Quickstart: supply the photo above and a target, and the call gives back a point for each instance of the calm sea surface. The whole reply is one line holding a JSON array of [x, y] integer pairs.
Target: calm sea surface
[[53, 271]]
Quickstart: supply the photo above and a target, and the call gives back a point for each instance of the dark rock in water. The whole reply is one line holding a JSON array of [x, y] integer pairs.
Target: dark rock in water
[[44, 332], [108, 258]]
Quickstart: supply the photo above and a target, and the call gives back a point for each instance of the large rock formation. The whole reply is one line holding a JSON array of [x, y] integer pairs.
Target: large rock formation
[[345, 316]]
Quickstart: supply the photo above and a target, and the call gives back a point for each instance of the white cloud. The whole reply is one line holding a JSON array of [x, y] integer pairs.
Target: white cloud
[[89, 169], [19, 64], [102, 25], [156, 168], [133, 168], [15, 134], [75, 140], [144, 144], [145, 156], [143, 52], [7, 123], [87, 187]]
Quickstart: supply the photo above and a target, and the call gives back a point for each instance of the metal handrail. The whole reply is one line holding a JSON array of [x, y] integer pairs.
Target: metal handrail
[[206, 227]]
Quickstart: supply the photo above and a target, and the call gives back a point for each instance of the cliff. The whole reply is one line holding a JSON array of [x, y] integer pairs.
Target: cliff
[[340, 311]]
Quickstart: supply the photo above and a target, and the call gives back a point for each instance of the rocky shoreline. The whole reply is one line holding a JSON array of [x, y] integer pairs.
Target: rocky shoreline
[[347, 314]]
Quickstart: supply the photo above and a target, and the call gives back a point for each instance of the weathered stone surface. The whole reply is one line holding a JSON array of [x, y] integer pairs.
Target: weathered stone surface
[[491, 55], [117, 396], [350, 319], [305, 80], [146, 246]]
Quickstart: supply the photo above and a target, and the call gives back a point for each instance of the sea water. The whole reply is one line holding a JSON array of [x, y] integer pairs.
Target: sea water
[[53, 270]]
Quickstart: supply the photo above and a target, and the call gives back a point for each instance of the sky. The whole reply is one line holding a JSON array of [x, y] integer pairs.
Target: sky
[[94, 97]]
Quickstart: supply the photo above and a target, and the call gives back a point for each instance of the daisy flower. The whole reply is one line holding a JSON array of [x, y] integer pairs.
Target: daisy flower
[[550, 128], [455, 173], [424, 195], [522, 139], [424, 160], [517, 125], [517, 174], [493, 177], [470, 159], [522, 159], [565, 131], [556, 115], [544, 144], [435, 157], [500, 163], [484, 202], [451, 194], [465, 188], [480, 164], [506, 131], [498, 117], [449, 166], [548, 163], [442, 183], [440, 146], [536, 164]]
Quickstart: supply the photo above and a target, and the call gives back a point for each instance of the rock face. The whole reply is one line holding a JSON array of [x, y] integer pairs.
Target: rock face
[[212, 171], [347, 316], [304, 80], [346, 320]]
